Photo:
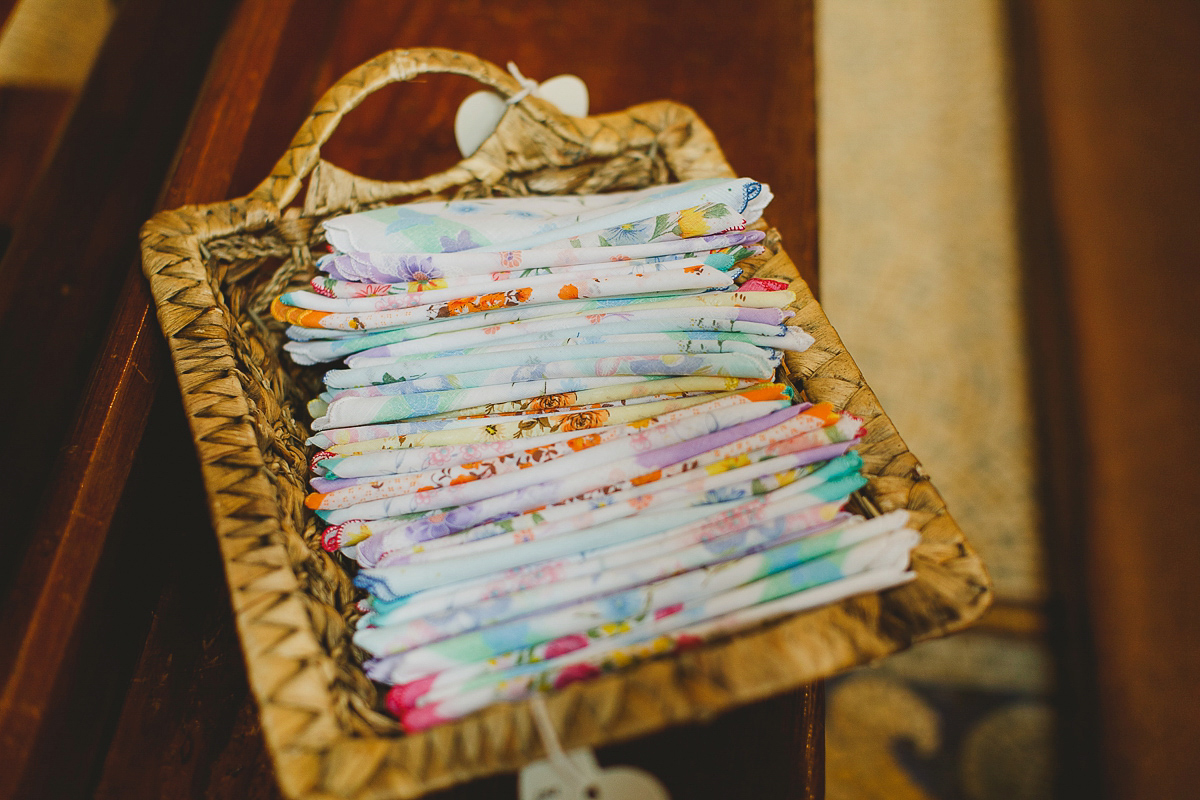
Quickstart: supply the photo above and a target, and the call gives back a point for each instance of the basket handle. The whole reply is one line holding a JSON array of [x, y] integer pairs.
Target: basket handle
[[304, 152]]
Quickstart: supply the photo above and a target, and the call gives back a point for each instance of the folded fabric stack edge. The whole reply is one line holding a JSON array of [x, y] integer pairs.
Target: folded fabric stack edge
[[555, 447]]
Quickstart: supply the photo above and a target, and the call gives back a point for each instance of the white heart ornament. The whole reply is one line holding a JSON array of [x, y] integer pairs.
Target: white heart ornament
[[477, 117], [568, 92], [625, 783], [544, 780], [480, 113]]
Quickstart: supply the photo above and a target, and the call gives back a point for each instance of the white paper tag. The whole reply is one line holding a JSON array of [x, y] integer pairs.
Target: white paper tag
[[477, 117], [544, 780], [480, 113], [568, 92]]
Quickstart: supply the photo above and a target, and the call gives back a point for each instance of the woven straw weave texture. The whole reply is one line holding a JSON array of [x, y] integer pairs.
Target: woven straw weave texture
[[213, 271]]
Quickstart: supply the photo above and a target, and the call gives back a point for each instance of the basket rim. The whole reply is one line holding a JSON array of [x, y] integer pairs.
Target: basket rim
[[289, 671]]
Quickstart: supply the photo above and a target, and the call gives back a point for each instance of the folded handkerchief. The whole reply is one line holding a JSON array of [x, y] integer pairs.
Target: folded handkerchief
[[696, 278], [432, 269], [447, 696], [382, 296], [520, 223]]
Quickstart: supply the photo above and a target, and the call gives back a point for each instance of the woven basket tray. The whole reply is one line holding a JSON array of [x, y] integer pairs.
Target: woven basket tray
[[213, 271]]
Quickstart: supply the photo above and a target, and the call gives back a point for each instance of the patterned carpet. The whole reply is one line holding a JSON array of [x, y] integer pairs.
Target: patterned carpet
[[919, 274]]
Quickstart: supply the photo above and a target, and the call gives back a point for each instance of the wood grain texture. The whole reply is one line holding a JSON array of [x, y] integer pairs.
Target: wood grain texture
[[78, 721], [1062, 447], [73, 236], [30, 123], [51, 609], [189, 727], [1117, 91], [71, 244]]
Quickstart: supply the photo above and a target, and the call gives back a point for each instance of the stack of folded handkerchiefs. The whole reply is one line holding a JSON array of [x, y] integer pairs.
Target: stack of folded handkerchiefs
[[555, 446]]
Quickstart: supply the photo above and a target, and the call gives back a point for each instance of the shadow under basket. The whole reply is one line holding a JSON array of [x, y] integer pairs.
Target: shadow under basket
[[214, 270]]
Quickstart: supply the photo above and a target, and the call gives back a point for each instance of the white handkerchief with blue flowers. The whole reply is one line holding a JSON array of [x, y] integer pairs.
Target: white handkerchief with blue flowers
[[679, 210]]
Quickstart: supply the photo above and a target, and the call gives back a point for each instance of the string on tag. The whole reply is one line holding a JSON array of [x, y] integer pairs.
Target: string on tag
[[528, 85], [577, 775], [565, 767]]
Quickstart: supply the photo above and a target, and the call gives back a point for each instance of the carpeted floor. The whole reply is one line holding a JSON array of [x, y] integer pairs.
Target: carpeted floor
[[52, 43], [919, 274]]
